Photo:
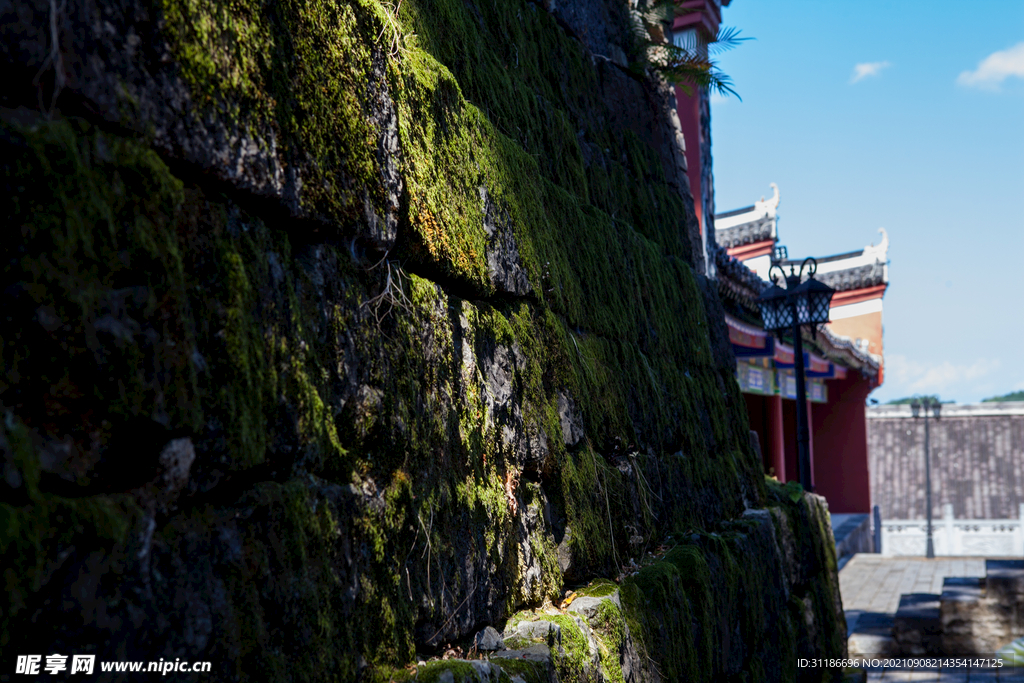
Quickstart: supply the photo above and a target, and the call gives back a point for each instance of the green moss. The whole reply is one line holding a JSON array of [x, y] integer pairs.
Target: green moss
[[97, 252], [518, 643], [431, 671], [601, 251], [673, 607], [287, 597], [531, 672], [609, 628], [598, 588], [242, 394], [491, 98], [301, 69], [461, 671], [46, 527], [574, 664]]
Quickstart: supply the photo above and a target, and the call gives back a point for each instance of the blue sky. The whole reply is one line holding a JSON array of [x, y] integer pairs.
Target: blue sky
[[873, 114]]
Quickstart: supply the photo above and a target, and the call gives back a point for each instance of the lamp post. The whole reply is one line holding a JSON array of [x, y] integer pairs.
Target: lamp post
[[927, 405], [799, 304]]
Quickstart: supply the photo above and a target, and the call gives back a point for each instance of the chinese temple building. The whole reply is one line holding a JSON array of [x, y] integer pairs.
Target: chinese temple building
[[843, 360]]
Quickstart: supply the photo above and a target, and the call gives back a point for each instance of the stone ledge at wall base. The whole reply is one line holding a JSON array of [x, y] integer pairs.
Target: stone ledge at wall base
[[852, 533], [682, 614], [981, 615], [955, 537], [972, 616]]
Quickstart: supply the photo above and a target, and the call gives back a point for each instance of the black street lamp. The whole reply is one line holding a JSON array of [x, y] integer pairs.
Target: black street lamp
[[935, 408], [799, 304]]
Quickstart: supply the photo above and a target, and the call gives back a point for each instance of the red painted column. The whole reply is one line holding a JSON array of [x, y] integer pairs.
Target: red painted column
[[776, 436], [841, 443], [688, 108]]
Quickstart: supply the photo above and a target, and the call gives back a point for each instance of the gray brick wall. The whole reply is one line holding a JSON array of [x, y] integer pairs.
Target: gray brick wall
[[977, 455]]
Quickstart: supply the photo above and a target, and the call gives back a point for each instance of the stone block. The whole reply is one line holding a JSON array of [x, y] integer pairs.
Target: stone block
[[917, 626], [964, 616], [535, 653], [872, 636], [489, 639], [587, 607], [1005, 580], [852, 533], [1004, 591]]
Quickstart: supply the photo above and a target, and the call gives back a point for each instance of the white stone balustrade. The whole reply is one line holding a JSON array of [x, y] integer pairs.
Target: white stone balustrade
[[955, 537]]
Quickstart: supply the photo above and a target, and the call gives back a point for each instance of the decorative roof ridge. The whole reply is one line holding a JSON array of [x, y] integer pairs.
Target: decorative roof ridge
[[882, 250], [846, 346], [825, 259], [879, 251], [761, 207], [736, 212]]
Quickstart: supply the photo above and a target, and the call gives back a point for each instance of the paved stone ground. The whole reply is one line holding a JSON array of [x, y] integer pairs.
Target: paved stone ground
[[873, 584], [947, 676]]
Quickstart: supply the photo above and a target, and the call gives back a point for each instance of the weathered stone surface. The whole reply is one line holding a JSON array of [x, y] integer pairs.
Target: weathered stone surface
[[503, 262], [873, 637], [575, 648], [283, 390], [917, 626], [964, 621], [570, 419], [534, 653], [1004, 580], [982, 615], [489, 639]]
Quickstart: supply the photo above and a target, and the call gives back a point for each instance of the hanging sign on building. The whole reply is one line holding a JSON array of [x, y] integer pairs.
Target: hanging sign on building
[[817, 391], [754, 379]]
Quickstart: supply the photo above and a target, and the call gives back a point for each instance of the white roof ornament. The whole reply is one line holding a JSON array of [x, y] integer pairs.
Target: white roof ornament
[[880, 251], [768, 207]]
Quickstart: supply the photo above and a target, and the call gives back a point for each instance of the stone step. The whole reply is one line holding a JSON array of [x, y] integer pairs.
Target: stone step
[[1004, 580], [871, 636], [917, 625], [962, 613]]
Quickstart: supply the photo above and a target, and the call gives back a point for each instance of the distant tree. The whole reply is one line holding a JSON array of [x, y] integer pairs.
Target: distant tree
[[1012, 396], [911, 399]]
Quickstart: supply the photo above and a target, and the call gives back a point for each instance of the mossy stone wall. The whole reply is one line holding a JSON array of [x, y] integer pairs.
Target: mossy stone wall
[[335, 330]]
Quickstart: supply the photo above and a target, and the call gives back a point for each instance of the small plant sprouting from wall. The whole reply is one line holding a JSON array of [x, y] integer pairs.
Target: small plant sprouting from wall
[[686, 59], [392, 294]]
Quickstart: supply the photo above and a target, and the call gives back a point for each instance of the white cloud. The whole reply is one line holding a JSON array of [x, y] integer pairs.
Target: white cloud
[[866, 69], [906, 376], [996, 68]]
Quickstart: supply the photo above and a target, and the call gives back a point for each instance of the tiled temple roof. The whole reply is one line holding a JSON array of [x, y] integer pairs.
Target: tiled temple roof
[[758, 229], [736, 282], [859, 269], [747, 225], [855, 278]]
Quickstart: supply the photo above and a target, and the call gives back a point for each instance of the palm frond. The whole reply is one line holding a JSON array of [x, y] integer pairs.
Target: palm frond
[[728, 37], [701, 73], [689, 63]]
